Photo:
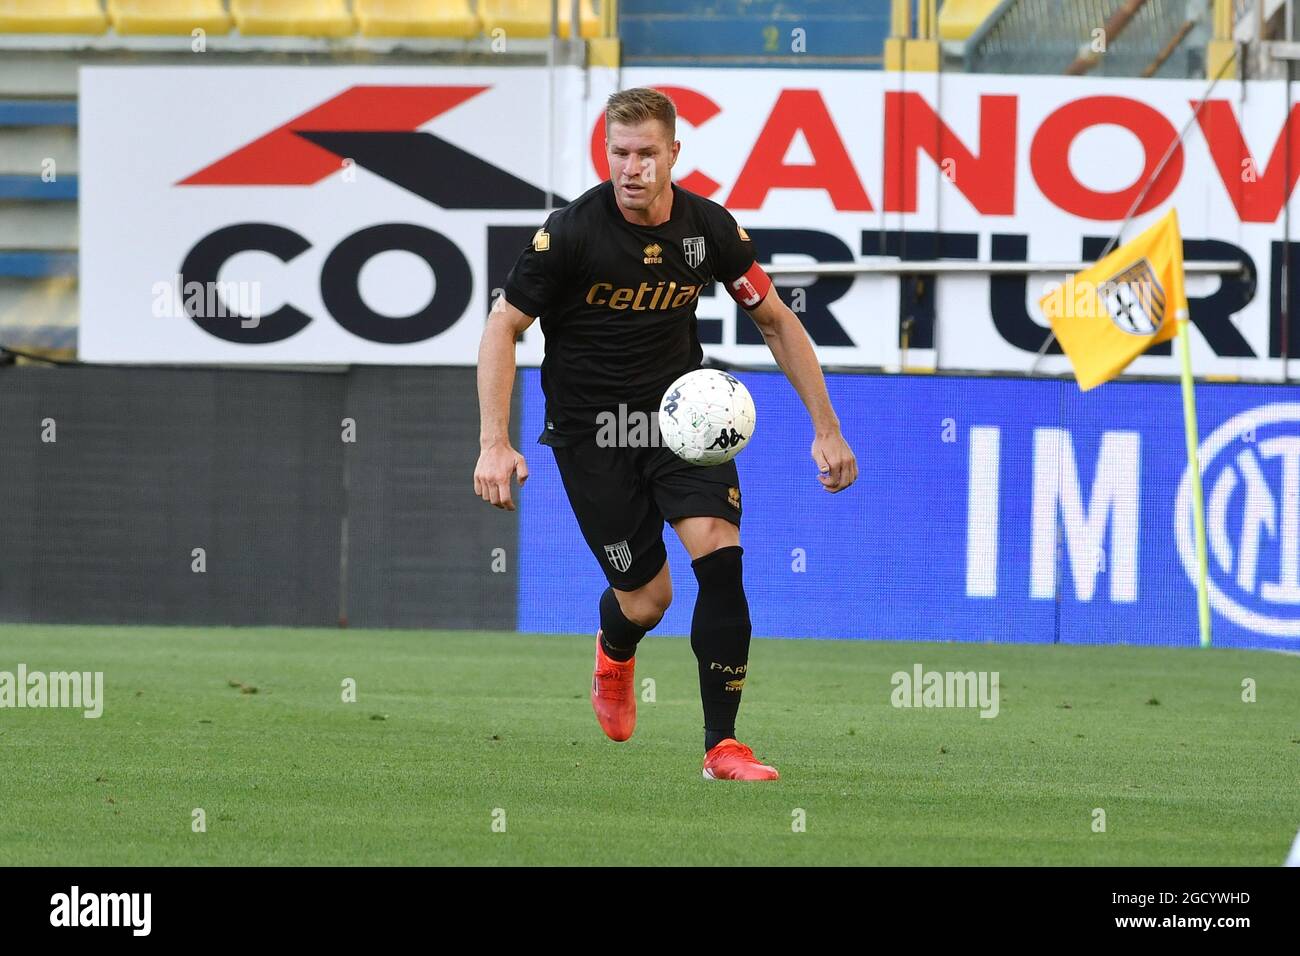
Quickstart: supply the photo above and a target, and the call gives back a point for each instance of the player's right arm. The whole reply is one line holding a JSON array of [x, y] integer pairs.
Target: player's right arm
[[497, 459], [533, 287]]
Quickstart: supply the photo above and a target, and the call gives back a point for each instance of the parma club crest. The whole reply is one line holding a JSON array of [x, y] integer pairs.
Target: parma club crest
[[694, 249], [620, 556]]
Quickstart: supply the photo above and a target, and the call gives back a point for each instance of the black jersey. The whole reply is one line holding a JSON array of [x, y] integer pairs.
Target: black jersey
[[617, 302]]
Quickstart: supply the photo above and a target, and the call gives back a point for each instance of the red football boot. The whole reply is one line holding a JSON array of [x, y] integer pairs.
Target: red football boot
[[732, 760], [613, 694]]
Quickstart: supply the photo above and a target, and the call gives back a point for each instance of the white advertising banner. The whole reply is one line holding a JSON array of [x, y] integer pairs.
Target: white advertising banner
[[350, 210], [364, 215]]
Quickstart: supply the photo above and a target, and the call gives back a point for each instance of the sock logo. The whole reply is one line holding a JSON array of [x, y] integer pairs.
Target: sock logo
[[735, 685], [727, 669]]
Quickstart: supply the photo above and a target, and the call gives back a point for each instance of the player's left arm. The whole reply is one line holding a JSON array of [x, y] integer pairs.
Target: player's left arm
[[788, 341]]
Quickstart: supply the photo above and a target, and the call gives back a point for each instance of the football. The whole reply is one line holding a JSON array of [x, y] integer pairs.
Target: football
[[706, 417]]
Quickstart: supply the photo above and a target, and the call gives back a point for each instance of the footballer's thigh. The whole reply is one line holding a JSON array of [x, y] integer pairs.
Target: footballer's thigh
[[702, 504], [621, 524], [701, 535]]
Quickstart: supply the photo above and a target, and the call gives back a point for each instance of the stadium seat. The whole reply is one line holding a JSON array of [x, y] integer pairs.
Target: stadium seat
[[416, 18], [52, 16], [310, 18], [532, 18], [958, 19], [168, 16]]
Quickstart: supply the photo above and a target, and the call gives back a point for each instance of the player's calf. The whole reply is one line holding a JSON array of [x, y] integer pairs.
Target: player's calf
[[720, 634]]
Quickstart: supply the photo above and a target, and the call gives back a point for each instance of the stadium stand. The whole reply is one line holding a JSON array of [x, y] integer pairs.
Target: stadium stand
[[836, 33], [312, 18], [958, 19], [532, 18], [1163, 38], [417, 18], [52, 16], [155, 17]]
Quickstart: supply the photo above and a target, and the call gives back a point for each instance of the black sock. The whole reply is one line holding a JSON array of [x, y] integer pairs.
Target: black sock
[[618, 636], [720, 633]]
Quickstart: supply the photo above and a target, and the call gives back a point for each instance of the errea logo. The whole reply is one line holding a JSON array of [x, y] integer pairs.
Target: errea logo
[[653, 254], [1250, 466]]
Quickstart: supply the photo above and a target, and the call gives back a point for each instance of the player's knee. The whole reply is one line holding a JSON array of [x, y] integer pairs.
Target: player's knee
[[705, 536], [646, 605], [721, 573]]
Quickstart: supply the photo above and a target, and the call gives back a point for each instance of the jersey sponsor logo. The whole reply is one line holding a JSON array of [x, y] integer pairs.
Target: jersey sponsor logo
[[541, 241], [619, 555], [694, 249], [661, 296], [652, 254]]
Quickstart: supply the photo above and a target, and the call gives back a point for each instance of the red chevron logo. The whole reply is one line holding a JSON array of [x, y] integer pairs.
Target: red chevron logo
[[282, 157]]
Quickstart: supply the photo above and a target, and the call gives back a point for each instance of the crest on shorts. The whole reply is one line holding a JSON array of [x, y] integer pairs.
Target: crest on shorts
[[694, 249], [620, 556], [733, 497]]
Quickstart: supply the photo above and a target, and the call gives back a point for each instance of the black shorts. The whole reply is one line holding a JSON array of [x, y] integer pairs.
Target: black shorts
[[622, 497]]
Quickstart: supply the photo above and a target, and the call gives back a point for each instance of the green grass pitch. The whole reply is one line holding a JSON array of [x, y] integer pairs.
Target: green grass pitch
[[450, 728]]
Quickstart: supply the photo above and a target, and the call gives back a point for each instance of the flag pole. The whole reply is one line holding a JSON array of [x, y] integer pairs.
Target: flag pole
[[1194, 470]]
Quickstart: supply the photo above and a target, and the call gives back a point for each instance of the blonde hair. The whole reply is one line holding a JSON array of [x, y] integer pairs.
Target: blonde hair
[[635, 106]]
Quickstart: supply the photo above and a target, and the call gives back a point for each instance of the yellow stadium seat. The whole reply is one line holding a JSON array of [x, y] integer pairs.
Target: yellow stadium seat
[[958, 19], [532, 18], [309, 18], [52, 16], [168, 16], [416, 18]]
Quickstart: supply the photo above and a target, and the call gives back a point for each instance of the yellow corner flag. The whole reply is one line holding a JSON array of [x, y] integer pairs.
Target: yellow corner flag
[[1110, 313]]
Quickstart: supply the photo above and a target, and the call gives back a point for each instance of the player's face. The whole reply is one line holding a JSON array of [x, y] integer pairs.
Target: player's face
[[641, 159]]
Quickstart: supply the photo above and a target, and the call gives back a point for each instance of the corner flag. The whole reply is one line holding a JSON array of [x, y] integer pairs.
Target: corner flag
[[1110, 313]]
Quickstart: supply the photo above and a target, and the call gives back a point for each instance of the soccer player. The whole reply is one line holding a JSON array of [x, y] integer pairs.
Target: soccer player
[[615, 276]]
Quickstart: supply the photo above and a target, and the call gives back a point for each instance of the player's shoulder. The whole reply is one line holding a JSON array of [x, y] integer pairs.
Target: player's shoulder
[[717, 218], [565, 227], [590, 204], [710, 210]]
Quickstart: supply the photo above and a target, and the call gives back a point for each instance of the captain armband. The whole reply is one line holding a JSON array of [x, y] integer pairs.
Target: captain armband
[[750, 289]]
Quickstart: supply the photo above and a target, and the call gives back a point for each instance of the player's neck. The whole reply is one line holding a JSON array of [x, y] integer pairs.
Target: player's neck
[[656, 214]]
